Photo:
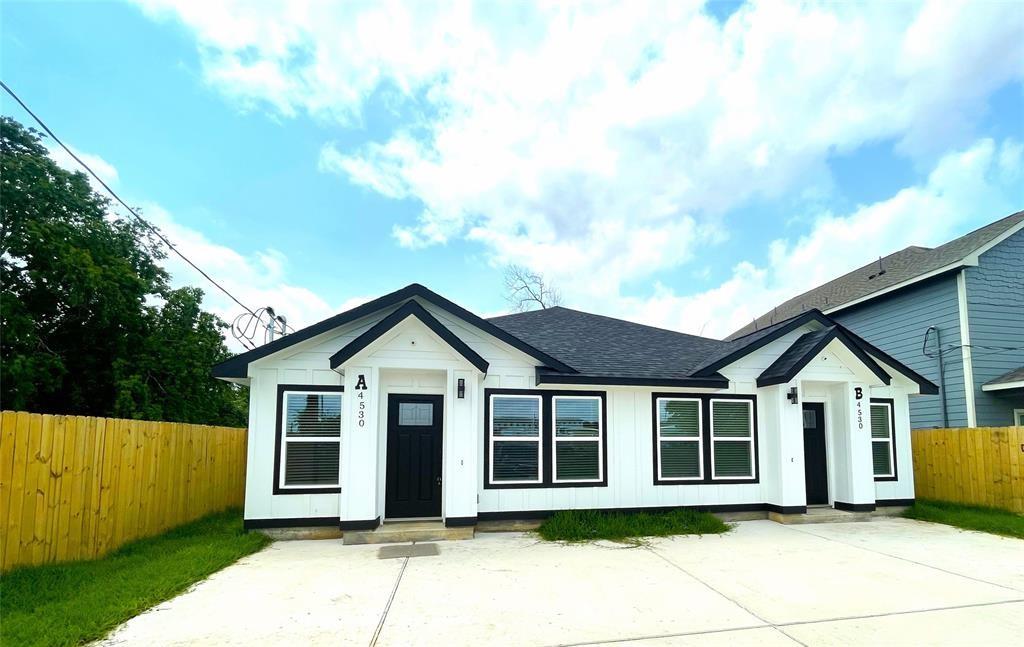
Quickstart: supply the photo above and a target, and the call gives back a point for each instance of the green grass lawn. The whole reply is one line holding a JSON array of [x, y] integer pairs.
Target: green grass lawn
[[968, 517], [588, 525], [75, 602]]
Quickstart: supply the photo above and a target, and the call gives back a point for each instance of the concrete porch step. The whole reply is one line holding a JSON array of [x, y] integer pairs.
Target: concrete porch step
[[396, 532], [820, 515]]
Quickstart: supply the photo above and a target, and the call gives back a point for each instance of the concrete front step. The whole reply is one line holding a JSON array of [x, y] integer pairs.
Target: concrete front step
[[406, 531], [820, 515]]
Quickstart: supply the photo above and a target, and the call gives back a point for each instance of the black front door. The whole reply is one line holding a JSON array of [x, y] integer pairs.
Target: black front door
[[815, 464], [413, 486]]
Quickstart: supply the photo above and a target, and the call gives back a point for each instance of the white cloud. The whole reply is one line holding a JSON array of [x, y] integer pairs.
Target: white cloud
[[104, 169], [605, 144], [587, 139], [964, 189], [257, 279]]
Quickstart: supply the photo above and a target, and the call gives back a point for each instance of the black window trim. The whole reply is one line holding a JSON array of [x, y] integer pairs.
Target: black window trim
[[706, 439], [892, 439], [312, 388], [547, 439]]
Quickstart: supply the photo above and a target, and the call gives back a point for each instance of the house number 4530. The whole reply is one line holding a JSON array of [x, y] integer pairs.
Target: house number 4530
[[361, 396]]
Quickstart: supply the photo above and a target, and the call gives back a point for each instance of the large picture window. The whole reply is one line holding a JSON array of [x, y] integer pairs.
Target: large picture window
[[309, 440], [883, 445], [515, 439], [577, 439], [704, 438], [545, 438], [679, 444]]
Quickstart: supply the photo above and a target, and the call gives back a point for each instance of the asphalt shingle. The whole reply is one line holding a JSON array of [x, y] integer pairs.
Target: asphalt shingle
[[904, 265], [603, 346]]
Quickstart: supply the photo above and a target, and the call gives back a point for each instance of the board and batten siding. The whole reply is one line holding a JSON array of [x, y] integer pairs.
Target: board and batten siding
[[995, 306], [896, 323]]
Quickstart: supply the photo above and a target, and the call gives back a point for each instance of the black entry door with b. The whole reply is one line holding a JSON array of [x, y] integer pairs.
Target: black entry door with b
[[413, 487], [815, 463]]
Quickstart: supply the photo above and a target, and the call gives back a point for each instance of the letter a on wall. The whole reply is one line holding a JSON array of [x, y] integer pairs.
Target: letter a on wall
[[361, 383]]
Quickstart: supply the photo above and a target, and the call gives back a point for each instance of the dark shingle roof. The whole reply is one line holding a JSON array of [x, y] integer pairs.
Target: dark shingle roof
[[602, 346], [1016, 375], [898, 267]]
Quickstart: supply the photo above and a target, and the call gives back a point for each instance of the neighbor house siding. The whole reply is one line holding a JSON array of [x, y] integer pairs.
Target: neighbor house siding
[[896, 323], [995, 306]]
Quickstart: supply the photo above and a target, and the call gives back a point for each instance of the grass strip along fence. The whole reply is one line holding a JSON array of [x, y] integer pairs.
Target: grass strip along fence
[[76, 602], [969, 517], [981, 466], [76, 488]]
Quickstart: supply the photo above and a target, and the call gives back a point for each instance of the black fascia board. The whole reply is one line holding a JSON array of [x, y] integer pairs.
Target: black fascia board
[[784, 328], [711, 382], [926, 386], [238, 365], [770, 376], [408, 309]]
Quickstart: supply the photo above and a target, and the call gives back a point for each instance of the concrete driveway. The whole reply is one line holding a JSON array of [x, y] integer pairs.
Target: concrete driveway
[[887, 581]]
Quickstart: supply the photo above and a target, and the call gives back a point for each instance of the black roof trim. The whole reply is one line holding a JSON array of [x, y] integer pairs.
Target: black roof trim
[[780, 329], [408, 309], [712, 382], [238, 365], [804, 349], [926, 386]]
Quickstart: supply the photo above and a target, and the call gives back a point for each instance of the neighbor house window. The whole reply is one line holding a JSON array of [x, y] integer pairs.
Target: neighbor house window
[[578, 437], [882, 454], [515, 439], [1018, 417], [732, 439], [679, 439], [310, 439]]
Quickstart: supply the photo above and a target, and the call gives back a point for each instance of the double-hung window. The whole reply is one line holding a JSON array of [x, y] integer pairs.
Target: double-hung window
[[883, 456], [680, 446], [310, 439], [577, 440], [732, 439], [515, 439]]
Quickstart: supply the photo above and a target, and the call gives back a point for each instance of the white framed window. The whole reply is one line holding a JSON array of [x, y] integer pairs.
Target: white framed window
[[578, 439], [732, 439], [310, 440], [1018, 417], [680, 439], [515, 449], [883, 456]]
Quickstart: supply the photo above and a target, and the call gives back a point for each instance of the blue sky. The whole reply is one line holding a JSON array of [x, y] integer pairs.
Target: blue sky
[[686, 168]]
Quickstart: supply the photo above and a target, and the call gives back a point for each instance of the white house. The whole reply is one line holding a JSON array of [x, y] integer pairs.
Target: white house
[[413, 407]]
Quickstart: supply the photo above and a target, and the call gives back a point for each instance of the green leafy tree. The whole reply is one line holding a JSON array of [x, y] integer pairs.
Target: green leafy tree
[[88, 323]]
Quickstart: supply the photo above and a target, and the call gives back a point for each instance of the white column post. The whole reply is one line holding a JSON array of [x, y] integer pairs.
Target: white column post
[[858, 445], [359, 438], [460, 447]]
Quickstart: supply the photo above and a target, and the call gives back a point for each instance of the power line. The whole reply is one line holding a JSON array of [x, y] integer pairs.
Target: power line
[[154, 230]]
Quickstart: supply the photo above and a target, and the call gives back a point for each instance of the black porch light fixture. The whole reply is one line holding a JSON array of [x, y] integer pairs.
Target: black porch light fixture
[[792, 395], [461, 389]]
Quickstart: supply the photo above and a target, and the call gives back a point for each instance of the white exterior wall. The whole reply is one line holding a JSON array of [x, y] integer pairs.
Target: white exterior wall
[[412, 359], [903, 487]]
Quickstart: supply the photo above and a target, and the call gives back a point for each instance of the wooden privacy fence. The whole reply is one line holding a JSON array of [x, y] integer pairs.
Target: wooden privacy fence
[[73, 487], [982, 466]]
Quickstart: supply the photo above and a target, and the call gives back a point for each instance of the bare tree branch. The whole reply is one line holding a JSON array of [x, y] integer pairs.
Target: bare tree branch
[[526, 289]]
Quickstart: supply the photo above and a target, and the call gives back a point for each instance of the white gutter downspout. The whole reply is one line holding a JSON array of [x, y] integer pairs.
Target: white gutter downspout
[[965, 347]]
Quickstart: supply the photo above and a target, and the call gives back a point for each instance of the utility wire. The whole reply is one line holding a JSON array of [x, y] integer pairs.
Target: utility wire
[[154, 230]]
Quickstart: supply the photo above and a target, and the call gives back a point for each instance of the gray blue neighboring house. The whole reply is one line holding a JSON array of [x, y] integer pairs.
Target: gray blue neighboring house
[[953, 313]]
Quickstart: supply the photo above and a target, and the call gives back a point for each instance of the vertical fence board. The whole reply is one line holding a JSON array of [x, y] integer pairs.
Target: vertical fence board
[[981, 466], [74, 487]]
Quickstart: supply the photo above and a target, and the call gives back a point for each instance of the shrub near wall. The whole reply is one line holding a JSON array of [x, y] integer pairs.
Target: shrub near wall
[[981, 466], [74, 487]]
